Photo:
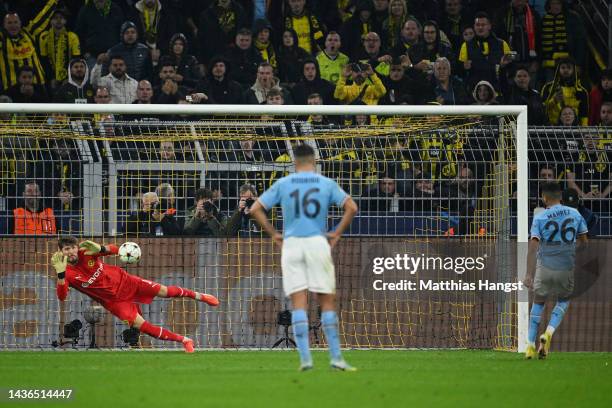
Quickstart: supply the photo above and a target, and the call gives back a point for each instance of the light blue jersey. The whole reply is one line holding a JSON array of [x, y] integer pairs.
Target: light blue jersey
[[305, 198], [557, 228]]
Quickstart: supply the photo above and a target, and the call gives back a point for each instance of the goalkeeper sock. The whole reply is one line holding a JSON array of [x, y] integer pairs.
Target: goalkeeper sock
[[177, 291], [299, 321], [160, 332], [534, 322], [329, 320], [556, 316]]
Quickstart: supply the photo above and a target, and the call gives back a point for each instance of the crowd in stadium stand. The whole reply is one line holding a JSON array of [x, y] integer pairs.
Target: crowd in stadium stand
[[318, 52], [448, 52]]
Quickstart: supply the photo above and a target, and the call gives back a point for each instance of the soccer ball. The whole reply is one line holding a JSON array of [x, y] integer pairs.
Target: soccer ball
[[129, 252]]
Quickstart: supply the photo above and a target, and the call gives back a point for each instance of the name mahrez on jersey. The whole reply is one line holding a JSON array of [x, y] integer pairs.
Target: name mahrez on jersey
[[559, 213]]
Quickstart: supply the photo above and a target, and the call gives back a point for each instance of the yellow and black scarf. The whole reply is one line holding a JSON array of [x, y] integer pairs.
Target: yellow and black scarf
[[58, 51], [266, 50], [150, 20]]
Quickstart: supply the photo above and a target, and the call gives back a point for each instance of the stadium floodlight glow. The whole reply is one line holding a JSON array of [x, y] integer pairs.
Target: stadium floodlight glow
[[98, 219]]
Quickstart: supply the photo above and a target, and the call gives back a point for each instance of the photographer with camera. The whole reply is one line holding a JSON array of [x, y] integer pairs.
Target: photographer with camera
[[155, 218], [205, 219], [366, 86], [240, 221]]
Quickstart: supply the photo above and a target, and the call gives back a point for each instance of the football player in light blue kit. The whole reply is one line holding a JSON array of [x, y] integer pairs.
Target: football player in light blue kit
[[306, 260], [554, 233]]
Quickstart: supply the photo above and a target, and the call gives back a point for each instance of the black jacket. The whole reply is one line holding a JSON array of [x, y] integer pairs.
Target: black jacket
[[243, 65], [96, 31], [212, 36], [304, 88], [143, 224], [222, 92], [185, 64], [290, 61], [39, 96], [412, 89], [137, 59], [535, 108]]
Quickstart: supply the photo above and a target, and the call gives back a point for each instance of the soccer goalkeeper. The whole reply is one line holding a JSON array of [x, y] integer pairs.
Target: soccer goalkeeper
[[81, 267]]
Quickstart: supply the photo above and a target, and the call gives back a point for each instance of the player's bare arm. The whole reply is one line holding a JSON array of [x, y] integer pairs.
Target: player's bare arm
[[257, 211], [350, 209], [534, 244]]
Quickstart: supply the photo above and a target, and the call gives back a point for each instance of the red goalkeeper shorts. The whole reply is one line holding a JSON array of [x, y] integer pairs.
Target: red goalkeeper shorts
[[127, 310]]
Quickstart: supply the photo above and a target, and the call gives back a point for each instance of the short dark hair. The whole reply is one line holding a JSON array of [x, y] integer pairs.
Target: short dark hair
[[303, 151], [551, 189], [314, 95], [203, 193], [482, 14], [274, 92], [66, 241], [25, 68], [166, 62], [117, 57], [244, 31]]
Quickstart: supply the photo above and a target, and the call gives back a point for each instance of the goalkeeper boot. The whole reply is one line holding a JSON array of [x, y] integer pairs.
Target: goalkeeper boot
[[342, 365], [208, 299], [544, 345], [531, 352], [188, 345]]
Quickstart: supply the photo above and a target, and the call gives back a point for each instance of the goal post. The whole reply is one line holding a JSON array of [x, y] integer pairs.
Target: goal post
[[122, 158]]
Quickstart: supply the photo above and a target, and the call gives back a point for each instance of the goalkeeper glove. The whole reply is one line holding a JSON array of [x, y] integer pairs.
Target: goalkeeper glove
[[59, 262], [90, 247]]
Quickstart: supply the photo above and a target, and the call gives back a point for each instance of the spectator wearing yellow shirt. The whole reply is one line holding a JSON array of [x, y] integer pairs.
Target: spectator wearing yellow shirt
[[331, 60], [485, 55], [306, 25], [18, 45], [566, 90], [58, 47], [366, 86]]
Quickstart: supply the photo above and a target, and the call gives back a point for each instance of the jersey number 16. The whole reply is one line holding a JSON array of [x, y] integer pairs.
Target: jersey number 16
[[310, 206]]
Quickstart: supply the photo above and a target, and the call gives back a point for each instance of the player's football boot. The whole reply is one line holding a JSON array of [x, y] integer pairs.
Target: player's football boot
[[208, 299], [531, 352], [342, 366], [188, 345], [544, 345], [306, 367]]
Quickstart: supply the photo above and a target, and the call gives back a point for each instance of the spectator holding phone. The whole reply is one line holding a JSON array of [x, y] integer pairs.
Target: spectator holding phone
[[366, 86]]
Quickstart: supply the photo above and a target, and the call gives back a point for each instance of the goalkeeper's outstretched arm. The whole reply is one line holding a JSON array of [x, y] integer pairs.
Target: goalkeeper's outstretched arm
[[59, 262], [92, 248]]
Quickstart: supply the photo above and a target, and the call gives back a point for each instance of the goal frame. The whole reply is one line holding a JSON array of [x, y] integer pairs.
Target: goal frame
[[298, 110]]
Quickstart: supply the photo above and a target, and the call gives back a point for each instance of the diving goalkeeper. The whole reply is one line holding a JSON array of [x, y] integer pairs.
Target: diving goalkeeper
[[81, 267]]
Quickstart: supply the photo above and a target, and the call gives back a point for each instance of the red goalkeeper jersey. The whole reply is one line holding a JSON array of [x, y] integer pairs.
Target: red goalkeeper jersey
[[102, 282]]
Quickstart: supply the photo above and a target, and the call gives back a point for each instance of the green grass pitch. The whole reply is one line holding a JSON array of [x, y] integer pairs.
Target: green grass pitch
[[222, 379]]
